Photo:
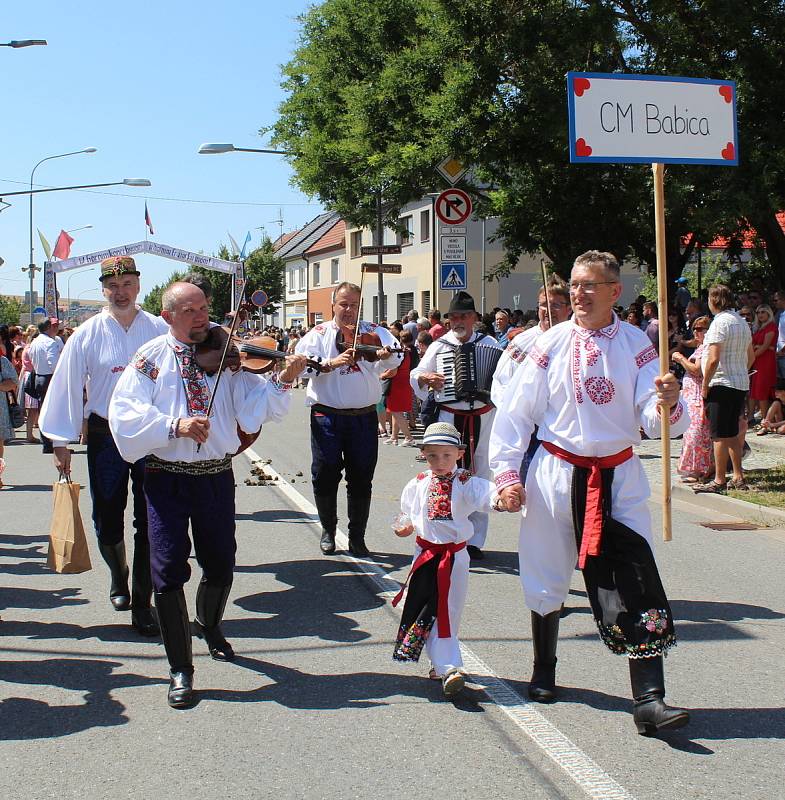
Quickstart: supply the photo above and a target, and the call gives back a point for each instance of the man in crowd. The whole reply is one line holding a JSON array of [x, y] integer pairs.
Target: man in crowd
[[591, 385], [437, 330], [158, 413], [411, 323], [472, 418], [97, 354], [727, 357], [44, 352], [343, 399]]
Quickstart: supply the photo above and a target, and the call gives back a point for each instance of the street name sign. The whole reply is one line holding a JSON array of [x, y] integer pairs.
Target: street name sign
[[651, 118], [453, 248], [453, 206], [380, 250], [385, 269], [452, 275]]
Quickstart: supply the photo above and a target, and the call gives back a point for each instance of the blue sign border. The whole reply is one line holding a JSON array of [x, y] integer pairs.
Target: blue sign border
[[443, 274], [576, 159]]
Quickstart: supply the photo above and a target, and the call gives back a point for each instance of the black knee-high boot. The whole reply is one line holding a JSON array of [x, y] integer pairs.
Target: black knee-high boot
[[545, 636], [210, 604], [176, 635], [648, 690], [327, 506], [114, 556], [142, 616], [359, 507]]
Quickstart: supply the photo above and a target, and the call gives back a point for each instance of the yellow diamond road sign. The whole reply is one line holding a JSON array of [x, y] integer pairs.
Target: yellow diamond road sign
[[451, 170]]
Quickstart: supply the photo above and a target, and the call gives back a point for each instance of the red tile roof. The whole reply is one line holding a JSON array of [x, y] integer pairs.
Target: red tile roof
[[721, 242], [334, 239], [282, 240]]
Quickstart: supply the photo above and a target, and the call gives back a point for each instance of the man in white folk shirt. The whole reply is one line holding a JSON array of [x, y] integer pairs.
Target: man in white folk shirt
[[158, 412], [590, 384], [557, 311], [95, 357], [343, 401], [44, 353], [472, 419]]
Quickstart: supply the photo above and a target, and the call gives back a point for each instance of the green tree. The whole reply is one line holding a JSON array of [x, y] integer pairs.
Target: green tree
[[10, 310], [379, 91], [152, 300]]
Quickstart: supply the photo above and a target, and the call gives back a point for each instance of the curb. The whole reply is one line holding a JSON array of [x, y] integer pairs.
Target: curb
[[718, 503]]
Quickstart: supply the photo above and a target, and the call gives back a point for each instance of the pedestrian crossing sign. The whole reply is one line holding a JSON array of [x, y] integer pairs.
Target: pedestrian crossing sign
[[453, 275]]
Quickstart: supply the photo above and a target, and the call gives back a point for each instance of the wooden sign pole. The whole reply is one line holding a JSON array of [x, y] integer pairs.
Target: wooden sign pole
[[662, 314]]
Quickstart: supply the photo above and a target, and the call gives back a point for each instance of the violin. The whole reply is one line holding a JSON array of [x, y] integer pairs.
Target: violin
[[367, 347], [257, 355]]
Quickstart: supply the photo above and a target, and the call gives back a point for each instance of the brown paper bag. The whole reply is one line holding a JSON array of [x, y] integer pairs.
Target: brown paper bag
[[68, 551]]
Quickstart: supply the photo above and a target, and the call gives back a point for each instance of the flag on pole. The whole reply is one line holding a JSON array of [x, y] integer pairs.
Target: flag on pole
[[235, 246], [63, 245], [147, 220], [245, 244], [45, 244]]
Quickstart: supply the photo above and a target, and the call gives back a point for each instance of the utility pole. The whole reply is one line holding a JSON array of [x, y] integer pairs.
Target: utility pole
[[279, 223], [380, 258]]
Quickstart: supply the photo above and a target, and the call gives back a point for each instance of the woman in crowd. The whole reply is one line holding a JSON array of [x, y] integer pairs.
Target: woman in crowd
[[30, 403], [634, 316], [764, 343], [8, 380], [399, 398], [697, 458]]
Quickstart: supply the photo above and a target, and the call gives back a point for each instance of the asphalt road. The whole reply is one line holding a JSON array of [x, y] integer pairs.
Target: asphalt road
[[314, 706]]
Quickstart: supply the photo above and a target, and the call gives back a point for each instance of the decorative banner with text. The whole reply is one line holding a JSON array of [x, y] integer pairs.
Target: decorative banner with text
[[651, 118]]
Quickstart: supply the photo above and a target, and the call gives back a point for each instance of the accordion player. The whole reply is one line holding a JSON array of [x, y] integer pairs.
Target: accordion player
[[468, 372]]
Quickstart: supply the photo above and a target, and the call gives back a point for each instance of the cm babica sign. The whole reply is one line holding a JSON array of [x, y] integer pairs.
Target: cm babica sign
[[651, 118]]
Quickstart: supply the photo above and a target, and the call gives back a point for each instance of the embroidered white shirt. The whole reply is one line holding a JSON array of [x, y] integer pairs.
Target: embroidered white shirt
[[94, 356], [589, 391], [357, 386], [440, 514], [511, 359], [151, 394]]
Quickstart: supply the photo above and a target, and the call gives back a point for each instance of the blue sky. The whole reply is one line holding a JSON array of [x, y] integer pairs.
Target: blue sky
[[146, 84]]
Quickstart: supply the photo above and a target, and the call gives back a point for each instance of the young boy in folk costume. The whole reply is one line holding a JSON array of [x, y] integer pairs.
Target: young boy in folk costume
[[436, 504]]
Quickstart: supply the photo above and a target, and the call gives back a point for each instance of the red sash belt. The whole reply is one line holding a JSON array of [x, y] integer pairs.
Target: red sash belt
[[443, 572], [592, 518]]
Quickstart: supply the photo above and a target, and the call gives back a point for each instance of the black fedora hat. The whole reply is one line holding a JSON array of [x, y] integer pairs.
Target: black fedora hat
[[461, 302]]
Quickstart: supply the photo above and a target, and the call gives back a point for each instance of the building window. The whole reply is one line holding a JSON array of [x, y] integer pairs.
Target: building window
[[334, 271], [405, 304], [406, 233], [356, 242], [425, 225], [290, 280], [301, 278], [316, 277], [425, 303]]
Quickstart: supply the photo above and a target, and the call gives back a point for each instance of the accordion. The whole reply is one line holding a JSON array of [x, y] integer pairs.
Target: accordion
[[468, 372]]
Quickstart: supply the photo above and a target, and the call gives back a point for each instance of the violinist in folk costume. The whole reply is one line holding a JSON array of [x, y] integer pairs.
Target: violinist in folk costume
[[473, 419], [437, 505], [591, 384], [343, 399], [159, 412], [97, 353]]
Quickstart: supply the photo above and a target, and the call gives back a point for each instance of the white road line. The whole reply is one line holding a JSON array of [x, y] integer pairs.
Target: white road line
[[585, 772]]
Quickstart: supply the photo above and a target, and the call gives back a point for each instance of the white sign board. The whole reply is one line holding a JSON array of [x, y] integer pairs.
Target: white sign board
[[651, 118], [453, 248]]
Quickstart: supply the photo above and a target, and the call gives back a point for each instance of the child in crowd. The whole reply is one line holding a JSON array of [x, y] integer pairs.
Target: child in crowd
[[436, 504], [775, 417]]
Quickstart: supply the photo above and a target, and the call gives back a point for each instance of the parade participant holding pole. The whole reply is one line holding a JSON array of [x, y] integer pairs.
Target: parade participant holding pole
[[591, 385], [343, 399], [473, 418], [437, 504], [159, 411], [95, 357]]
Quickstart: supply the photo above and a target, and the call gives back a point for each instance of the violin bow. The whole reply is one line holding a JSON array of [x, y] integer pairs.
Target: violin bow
[[222, 363], [360, 308], [547, 293]]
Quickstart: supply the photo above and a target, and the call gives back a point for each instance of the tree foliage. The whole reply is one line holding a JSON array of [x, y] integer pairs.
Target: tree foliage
[[10, 310], [379, 91]]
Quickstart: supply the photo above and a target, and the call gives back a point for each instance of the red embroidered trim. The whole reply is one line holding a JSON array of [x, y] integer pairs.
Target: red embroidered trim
[[576, 369], [645, 356], [507, 479], [464, 475], [538, 357], [677, 413], [144, 366], [420, 476], [440, 498], [600, 390]]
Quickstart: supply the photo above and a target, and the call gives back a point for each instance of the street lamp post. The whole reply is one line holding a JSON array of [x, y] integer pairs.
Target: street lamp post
[[16, 43], [31, 264]]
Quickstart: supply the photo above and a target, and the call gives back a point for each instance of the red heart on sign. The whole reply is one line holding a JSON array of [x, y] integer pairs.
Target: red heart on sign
[[581, 148], [727, 92], [729, 152], [581, 85]]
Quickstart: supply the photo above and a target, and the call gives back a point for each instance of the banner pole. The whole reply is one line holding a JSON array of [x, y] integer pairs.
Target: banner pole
[[662, 314]]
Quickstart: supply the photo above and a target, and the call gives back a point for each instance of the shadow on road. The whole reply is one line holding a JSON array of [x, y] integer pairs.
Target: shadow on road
[[20, 597], [23, 718]]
